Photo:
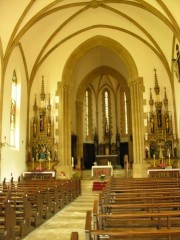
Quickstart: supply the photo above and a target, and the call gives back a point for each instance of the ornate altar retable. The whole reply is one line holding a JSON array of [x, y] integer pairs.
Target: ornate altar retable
[[160, 141], [42, 152], [104, 159]]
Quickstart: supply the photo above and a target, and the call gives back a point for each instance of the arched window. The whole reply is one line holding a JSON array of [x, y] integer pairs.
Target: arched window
[[106, 107], [124, 113], [88, 113], [106, 111], [13, 109]]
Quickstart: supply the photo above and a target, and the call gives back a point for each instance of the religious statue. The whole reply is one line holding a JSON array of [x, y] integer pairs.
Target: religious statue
[[42, 154], [159, 120], [160, 153], [175, 152], [177, 62], [152, 125], [34, 128], [167, 124], [48, 155], [146, 152], [41, 123], [48, 128]]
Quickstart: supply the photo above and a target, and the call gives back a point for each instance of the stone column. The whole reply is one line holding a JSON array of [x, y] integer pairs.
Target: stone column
[[79, 126], [64, 129], [136, 90]]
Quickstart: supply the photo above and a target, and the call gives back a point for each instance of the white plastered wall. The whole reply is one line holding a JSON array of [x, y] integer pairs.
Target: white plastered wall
[[13, 159]]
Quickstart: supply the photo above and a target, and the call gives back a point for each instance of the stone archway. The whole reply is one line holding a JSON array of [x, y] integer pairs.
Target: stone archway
[[136, 94], [87, 81]]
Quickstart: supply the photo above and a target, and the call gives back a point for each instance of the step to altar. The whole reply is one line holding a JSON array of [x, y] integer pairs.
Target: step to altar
[[98, 186]]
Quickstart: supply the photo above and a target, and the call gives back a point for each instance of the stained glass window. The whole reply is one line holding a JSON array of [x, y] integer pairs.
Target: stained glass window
[[88, 114], [125, 114], [13, 109], [87, 111], [106, 104]]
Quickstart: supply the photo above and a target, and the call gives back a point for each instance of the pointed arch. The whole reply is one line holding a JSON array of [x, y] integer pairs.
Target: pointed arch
[[134, 83]]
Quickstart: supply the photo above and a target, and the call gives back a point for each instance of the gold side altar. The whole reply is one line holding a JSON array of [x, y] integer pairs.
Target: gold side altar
[[162, 163], [42, 149], [160, 141]]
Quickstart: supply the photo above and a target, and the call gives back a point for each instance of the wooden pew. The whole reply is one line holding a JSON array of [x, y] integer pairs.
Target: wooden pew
[[21, 207], [74, 236], [35, 201], [127, 233], [7, 222], [23, 212], [139, 216], [148, 207], [158, 218], [23, 216], [139, 193], [114, 185], [51, 194]]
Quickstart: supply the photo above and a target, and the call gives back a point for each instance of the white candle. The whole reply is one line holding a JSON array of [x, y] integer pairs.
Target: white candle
[[127, 168], [33, 163], [154, 160], [49, 164], [72, 162]]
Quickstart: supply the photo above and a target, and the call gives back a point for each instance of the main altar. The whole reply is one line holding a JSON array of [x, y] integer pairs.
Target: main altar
[[107, 152], [104, 159], [160, 141]]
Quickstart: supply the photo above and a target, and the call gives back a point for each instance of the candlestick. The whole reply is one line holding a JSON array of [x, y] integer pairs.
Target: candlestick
[[154, 160], [33, 163], [72, 162], [49, 164], [127, 168], [169, 160]]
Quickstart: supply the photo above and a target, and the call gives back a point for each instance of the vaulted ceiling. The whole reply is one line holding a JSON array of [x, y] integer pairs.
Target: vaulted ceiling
[[40, 27]]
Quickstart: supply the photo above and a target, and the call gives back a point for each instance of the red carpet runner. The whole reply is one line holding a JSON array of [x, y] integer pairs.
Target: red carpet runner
[[98, 186]]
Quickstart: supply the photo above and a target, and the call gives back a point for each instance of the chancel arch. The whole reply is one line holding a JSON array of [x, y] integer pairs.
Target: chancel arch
[[114, 62]]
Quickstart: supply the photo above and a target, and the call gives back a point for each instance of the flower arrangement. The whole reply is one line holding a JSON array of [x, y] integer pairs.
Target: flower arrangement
[[163, 165], [62, 174], [39, 169], [75, 175], [102, 177]]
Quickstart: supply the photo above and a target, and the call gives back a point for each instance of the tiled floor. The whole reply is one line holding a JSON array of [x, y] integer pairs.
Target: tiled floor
[[72, 217]]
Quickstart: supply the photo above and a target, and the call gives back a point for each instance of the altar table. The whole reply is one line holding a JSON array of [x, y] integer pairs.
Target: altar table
[[102, 170], [166, 173]]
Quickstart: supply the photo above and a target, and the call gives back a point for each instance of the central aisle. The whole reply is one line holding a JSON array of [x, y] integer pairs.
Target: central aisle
[[72, 217]]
